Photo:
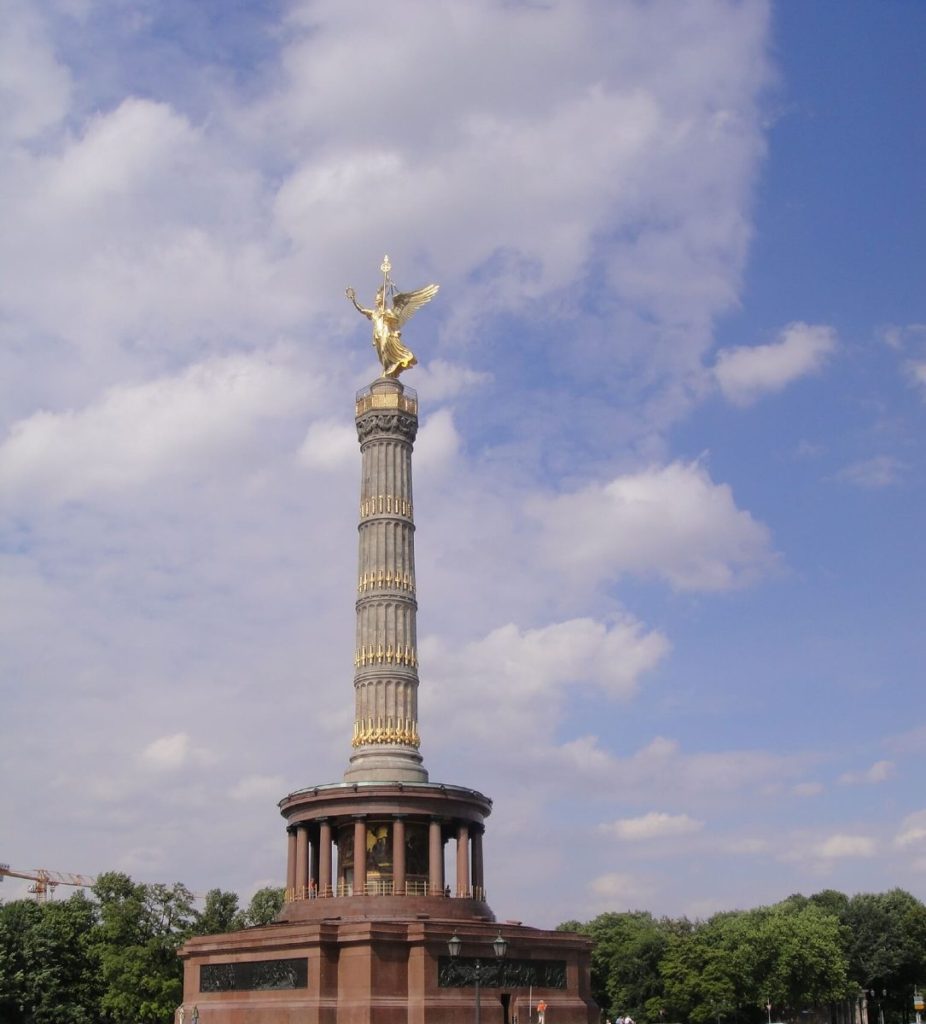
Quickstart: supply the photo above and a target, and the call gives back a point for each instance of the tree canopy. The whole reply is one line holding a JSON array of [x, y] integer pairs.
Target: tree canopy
[[801, 954], [112, 958]]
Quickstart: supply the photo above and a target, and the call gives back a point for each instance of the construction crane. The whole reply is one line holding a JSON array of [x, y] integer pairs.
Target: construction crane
[[44, 882]]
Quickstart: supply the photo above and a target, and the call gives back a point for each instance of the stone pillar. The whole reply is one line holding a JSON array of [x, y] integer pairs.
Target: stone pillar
[[398, 855], [435, 858], [478, 874], [302, 861], [290, 864], [324, 858], [385, 740], [360, 855], [462, 859], [313, 864]]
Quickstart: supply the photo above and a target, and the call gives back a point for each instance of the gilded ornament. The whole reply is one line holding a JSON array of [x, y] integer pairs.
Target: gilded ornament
[[388, 320]]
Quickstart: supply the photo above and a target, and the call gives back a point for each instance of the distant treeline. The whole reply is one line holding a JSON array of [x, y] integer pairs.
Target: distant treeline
[[111, 959], [810, 957]]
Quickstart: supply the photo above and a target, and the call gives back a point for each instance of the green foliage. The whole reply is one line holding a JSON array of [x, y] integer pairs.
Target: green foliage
[[800, 954], [625, 961], [17, 922], [886, 939], [265, 904], [220, 914], [113, 959], [48, 968], [142, 927]]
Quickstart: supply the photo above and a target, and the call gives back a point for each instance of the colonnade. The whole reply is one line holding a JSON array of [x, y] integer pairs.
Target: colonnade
[[310, 860]]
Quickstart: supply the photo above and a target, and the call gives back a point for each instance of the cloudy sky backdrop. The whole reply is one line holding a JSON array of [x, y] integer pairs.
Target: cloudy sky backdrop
[[669, 479]]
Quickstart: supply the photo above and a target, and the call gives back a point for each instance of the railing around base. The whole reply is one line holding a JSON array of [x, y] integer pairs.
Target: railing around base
[[381, 887]]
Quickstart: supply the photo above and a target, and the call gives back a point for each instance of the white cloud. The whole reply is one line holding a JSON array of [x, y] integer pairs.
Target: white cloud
[[536, 662], [619, 889], [34, 87], [917, 371], [748, 846], [267, 788], [841, 846], [329, 445], [137, 432], [437, 444], [654, 825], [167, 752], [878, 471], [912, 830], [900, 336], [670, 521], [880, 771], [441, 380], [807, 789], [746, 373]]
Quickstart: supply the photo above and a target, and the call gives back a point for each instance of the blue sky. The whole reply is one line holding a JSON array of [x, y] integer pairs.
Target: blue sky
[[669, 481]]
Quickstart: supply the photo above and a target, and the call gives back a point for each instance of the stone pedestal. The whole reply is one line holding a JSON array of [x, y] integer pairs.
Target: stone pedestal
[[385, 972]]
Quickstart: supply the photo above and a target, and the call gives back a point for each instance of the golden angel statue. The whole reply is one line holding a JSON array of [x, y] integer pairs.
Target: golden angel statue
[[388, 320]]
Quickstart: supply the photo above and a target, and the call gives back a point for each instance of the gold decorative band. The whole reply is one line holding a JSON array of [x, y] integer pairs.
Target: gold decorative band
[[381, 504], [386, 730], [388, 401], [388, 655], [387, 578]]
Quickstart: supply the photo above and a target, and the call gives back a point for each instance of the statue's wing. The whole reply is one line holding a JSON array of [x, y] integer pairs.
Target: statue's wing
[[406, 303]]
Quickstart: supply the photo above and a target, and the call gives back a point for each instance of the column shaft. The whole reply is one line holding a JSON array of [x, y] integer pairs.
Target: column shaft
[[313, 864], [435, 859], [360, 857], [398, 856], [302, 861], [463, 859], [324, 859], [290, 863], [478, 872]]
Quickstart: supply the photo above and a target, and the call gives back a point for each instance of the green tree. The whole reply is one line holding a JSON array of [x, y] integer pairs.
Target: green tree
[[887, 943], [17, 919], [805, 963], [219, 914], [48, 970], [625, 961], [791, 954], [142, 927], [265, 904]]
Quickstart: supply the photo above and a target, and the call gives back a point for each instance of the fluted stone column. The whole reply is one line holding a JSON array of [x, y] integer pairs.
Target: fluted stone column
[[435, 858], [290, 863], [478, 876], [302, 861], [398, 855], [360, 855], [386, 737], [462, 859], [313, 862], [324, 858]]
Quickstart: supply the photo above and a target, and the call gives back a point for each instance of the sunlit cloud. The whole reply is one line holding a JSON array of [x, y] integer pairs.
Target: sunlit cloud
[[746, 373], [654, 825]]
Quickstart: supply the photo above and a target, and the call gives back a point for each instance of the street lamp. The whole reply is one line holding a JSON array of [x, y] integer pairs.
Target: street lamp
[[874, 995], [499, 947]]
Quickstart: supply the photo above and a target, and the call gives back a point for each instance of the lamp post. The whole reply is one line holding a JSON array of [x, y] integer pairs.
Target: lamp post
[[874, 995], [499, 947]]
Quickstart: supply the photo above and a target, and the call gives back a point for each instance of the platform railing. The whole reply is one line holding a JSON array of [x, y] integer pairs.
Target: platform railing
[[381, 887]]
